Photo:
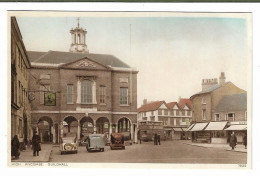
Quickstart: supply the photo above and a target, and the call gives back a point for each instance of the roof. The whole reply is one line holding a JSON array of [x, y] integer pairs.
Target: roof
[[171, 104], [60, 57], [210, 89], [150, 106], [184, 101], [216, 126], [234, 102]]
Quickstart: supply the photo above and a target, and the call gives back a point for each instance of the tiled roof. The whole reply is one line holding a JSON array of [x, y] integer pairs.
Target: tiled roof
[[171, 104], [234, 102], [60, 57], [150, 106], [184, 101]]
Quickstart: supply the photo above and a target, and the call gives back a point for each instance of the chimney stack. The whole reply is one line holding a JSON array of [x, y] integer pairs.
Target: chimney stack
[[222, 78], [144, 101]]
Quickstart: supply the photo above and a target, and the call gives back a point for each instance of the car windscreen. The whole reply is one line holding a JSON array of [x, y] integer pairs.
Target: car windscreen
[[68, 140]]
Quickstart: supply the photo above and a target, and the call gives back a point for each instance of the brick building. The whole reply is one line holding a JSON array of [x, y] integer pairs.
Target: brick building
[[82, 92], [209, 117], [20, 104]]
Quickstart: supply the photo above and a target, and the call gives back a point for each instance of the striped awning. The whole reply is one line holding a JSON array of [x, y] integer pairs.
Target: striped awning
[[214, 126], [237, 127], [199, 126], [190, 127]]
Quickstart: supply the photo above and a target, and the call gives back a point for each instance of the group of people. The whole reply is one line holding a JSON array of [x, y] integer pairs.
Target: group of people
[[233, 141], [157, 139], [15, 146]]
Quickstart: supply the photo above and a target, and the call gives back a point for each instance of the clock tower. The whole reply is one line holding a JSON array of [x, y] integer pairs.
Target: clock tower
[[78, 40]]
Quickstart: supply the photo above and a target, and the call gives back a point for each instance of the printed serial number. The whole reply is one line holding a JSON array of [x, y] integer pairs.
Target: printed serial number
[[242, 165]]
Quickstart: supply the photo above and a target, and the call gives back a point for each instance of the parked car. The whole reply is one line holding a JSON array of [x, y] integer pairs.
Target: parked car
[[95, 143], [69, 144], [117, 141]]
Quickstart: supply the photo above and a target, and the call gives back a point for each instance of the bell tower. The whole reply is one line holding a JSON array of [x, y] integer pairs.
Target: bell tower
[[78, 40]]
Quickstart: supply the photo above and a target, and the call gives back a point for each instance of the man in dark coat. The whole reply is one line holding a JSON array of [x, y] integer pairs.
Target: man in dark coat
[[245, 140], [159, 139], [36, 140], [15, 147], [155, 139], [233, 141]]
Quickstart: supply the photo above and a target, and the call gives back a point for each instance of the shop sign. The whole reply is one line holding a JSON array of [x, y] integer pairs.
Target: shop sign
[[49, 99]]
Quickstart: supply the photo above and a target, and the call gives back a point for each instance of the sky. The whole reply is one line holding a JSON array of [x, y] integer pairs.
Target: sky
[[172, 53]]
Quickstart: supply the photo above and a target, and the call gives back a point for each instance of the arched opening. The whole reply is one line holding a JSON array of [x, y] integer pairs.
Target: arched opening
[[124, 126], [70, 125], [102, 125], [86, 126], [45, 129]]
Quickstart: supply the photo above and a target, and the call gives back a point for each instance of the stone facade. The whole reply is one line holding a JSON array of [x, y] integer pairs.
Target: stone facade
[[20, 104], [111, 111]]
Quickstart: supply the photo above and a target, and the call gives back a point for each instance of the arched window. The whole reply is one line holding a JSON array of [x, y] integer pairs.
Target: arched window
[[86, 91]]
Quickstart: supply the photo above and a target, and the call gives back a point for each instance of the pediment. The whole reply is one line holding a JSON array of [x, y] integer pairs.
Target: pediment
[[85, 63]]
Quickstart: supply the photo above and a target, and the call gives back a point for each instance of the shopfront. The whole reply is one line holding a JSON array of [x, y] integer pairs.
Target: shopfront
[[239, 129], [217, 133]]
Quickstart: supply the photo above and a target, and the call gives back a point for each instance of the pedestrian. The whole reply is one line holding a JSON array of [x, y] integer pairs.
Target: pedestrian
[[159, 139], [245, 140], [15, 147], [36, 143], [155, 139], [233, 141]]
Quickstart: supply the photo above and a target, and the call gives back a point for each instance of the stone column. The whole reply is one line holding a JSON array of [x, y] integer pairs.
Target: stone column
[[79, 91], [95, 128], [110, 131], [135, 131], [78, 130], [132, 131], [116, 128], [94, 96], [61, 129], [54, 135]]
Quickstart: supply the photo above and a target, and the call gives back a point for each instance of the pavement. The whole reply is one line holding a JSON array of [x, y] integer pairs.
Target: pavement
[[27, 155], [238, 148]]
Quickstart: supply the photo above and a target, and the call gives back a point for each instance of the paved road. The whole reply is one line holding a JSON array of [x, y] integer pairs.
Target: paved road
[[168, 152]]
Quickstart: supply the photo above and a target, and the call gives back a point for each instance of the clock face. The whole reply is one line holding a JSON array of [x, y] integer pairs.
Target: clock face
[[49, 99]]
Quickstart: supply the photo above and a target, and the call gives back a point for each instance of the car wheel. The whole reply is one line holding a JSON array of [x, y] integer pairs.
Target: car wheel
[[123, 147], [102, 150]]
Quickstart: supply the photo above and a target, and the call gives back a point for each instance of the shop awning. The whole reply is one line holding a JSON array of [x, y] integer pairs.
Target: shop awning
[[177, 129], [213, 126], [199, 126], [190, 127], [237, 127]]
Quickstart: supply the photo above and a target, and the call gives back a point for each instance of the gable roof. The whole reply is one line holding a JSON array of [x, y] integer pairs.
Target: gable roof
[[211, 89], [60, 57], [184, 101], [171, 104], [234, 102], [151, 106]]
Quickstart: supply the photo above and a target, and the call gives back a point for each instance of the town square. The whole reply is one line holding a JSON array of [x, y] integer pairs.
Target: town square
[[124, 89]]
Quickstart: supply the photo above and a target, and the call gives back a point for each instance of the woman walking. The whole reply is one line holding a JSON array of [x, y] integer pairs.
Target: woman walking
[[233, 141], [15, 147]]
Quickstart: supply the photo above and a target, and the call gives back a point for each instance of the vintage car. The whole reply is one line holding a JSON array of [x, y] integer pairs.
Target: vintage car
[[95, 143], [117, 141], [69, 144]]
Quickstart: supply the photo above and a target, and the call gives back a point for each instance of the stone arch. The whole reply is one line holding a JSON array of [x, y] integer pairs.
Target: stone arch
[[45, 129], [86, 126], [103, 125], [124, 125], [70, 125]]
